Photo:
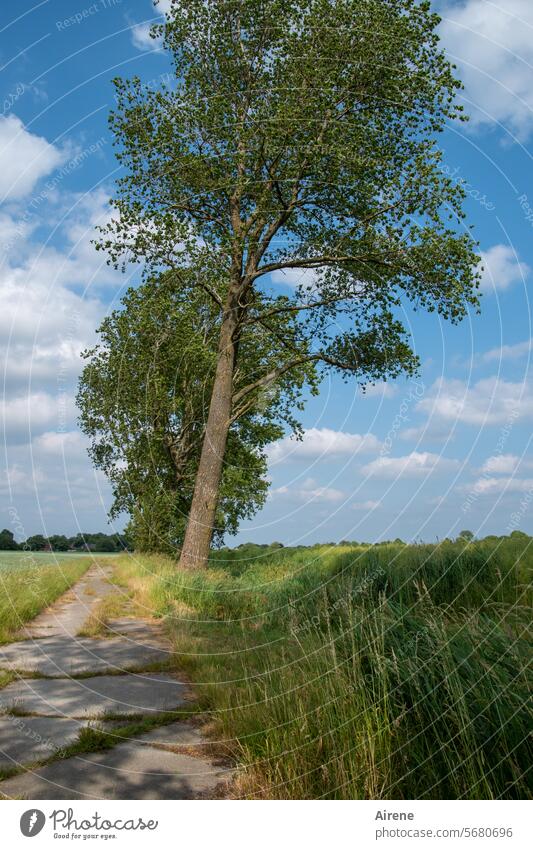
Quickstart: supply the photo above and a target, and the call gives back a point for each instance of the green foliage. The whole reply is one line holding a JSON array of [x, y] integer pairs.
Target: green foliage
[[390, 672], [7, 541], [80, 542], [59, 542], [300, 136], [98, 542], [143, 399], [36, 543]]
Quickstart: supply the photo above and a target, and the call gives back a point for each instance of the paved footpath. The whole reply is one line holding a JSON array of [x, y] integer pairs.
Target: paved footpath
[[65, 683]]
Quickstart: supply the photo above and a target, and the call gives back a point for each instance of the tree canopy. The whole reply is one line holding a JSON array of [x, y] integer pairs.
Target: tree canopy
[[7, 541], [298, 143]]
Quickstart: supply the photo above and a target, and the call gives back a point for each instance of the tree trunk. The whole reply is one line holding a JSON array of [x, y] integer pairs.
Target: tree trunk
[[200, 525]]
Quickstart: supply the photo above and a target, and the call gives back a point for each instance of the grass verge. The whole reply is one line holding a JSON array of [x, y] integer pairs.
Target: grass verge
[[381, 672], [27, 590]]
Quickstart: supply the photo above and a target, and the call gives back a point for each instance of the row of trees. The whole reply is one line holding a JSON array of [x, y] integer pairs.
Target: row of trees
[[59, 542], [298, 142]]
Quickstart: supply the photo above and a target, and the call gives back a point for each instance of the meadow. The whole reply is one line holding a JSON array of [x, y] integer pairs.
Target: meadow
[[382, 672], [36, 559]]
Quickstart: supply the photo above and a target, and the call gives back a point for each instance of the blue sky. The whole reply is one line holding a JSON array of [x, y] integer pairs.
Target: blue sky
[[419, 459]]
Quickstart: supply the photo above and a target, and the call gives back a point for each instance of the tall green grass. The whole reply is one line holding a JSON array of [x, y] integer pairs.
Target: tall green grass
[[362, 672], [31, 587]]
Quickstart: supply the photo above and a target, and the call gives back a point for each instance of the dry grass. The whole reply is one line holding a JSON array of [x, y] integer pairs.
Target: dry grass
[[112, 606]]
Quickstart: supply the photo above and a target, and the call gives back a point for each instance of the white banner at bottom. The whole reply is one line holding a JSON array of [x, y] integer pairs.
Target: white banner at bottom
[[263, 825]]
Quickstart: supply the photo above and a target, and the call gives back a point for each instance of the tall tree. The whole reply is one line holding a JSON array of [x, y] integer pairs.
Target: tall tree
[[298, 142], [144, 398]]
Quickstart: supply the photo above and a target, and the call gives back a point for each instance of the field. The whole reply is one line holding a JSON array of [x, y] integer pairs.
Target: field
[[384, 672], [30, 581], [25, 559]]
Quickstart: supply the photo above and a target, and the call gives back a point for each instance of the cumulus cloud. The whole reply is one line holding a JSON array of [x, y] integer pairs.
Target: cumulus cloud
[[414, 465], [503, 464], [322, 442], [490, 401], [495, 486], [53, 485], [310, 490], [140, 33], [500, 464], [141, 39], [24, 158], [295, 277], [45, 322], [492, 44], [366, 505], [17, 481], [47, 316], [57, 443], [508, 352], [502, 268], [25, 415]]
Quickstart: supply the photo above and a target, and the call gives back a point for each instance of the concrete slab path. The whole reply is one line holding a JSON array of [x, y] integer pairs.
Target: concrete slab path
[[128, 771], [94, 697], [80, 682], [24, 739], [66, 616], [48, 657]]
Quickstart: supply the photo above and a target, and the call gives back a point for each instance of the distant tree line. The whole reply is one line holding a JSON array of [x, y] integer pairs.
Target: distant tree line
[[60, 542]]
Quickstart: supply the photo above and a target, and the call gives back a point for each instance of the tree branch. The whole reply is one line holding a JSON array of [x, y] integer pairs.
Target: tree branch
[[293, 308], [315, 262]]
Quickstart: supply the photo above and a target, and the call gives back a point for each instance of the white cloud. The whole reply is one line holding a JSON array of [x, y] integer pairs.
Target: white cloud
[[365, 505], [508, 352], [141, 39], [51, 478], [45, 325], [310, 490], [500, 464], [48, 314], [44, 322], [493, 486], [295, 277], [411, 433], [413, 465], [25, 415], [140, 33], [322, 442], [492, 43], [24, 158], [505, 464], [16, 480], [502, 268], [488, 402], [57, 443]]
